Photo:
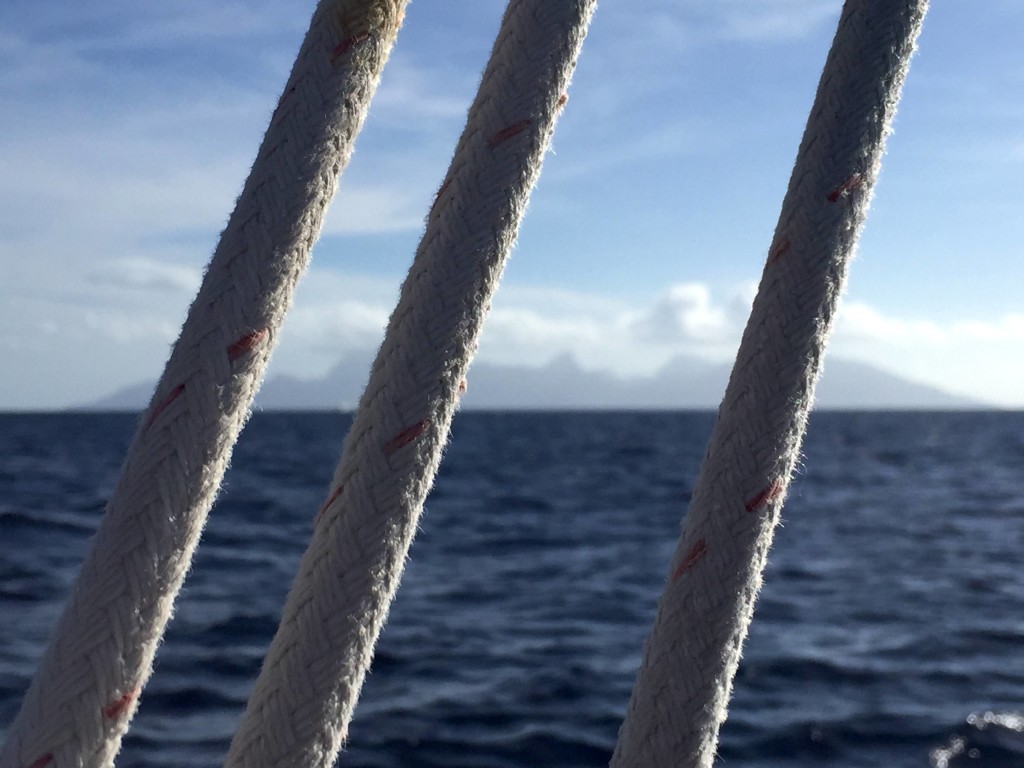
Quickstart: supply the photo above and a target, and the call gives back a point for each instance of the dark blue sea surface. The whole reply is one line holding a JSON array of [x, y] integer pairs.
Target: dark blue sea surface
[[889, 631]]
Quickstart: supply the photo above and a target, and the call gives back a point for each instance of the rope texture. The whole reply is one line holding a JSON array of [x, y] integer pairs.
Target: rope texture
[[683, 686], [301, 706], [86, 689]]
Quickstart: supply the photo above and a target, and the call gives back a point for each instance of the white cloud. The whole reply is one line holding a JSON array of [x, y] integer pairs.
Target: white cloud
[[526, 336], [1009, 328], [330, 329], [774, 20], [124, 328], [857, 321], [105, 26], [692, 135], [692, 22], [418, 90], [972, 357], [147, 274], [685, 312], [333, 313], [378, 208]]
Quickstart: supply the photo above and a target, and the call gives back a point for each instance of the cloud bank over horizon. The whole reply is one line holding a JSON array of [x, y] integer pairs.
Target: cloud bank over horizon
[[139, 305], [127, 135]]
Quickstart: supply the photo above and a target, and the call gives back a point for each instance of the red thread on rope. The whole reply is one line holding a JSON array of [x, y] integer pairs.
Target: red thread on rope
[[507, 133], [247, 343], [693, 556], [405, 437], [158, 409], [330, 500], [120, 705], [441, 191], [348, 44], [845, 188], [43, 760], [281, 101], [778, 251], [562, 99], [463, 386], [766, 495]]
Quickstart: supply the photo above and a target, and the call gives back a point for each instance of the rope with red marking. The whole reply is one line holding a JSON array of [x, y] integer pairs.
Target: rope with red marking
[[683, 686], [86, 689], [299, 711]]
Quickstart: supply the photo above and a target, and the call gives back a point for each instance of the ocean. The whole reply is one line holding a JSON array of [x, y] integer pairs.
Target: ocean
[[889, 631]]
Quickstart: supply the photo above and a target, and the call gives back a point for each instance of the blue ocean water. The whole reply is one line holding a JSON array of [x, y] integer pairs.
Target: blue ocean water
[[888, 633]]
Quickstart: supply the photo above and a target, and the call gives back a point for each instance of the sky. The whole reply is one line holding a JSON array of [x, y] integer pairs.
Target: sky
[[127, 130]]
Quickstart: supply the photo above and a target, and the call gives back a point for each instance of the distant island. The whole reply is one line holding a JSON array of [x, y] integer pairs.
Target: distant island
[[683, 383]]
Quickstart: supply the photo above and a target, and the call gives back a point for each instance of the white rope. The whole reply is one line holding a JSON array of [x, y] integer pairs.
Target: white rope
[[86, 689], [299, 711], [683, 686]]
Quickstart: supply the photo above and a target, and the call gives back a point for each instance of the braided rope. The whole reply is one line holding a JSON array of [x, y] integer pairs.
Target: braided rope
[[301, 706], [86, 689], [684, 683]]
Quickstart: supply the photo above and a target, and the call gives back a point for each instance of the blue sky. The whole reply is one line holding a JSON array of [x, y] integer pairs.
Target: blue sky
[[127, 130]]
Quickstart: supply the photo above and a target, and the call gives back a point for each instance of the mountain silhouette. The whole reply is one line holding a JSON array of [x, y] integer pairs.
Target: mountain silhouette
[[684, 382]]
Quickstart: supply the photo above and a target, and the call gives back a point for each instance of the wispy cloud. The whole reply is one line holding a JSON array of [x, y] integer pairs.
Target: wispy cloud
[[146, 274], [414, 89], [693, 23], [376, 209], [105, 26], [770, 20], [124, 328], [859, 322]]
